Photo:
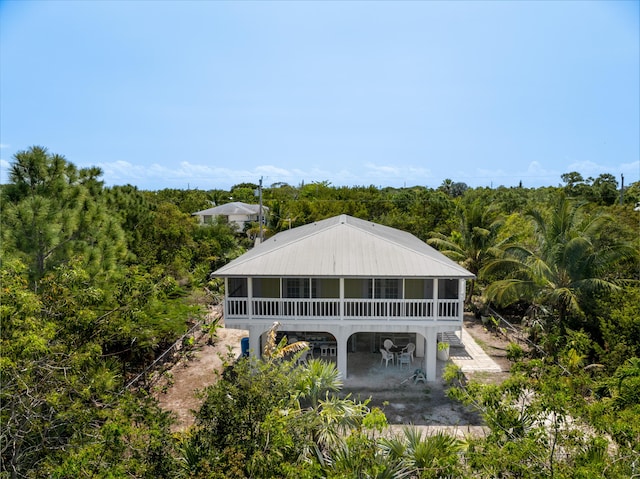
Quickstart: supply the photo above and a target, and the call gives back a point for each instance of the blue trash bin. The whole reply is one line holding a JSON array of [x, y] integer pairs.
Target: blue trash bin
[[244, 346]]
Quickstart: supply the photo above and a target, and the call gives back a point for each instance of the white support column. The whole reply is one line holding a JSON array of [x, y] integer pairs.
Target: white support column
[[254, 342], [430, 354], [341, 353], [420, 344]]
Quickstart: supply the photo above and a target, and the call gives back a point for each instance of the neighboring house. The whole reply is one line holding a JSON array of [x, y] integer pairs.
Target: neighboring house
[[346, 285], [236, 212]]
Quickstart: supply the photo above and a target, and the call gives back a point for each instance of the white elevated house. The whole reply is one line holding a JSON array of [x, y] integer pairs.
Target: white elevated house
[[235, 212], [346, 285]]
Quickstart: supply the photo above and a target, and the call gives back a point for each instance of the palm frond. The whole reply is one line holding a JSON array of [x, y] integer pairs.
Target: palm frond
[[393, 447], [502, 266], [270, 344], [508, 291], [285, 349]]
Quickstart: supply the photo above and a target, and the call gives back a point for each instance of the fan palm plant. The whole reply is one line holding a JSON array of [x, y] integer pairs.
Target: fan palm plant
[[431, 456], [321, 377]]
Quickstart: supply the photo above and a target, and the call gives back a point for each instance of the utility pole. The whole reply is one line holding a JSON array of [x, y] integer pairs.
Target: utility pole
[[621, 188], [260, 211]]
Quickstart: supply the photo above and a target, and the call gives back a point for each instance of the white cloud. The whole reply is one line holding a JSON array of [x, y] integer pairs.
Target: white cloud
[[194, 175], [382, 170], [590, 169], [122, 170], [534, 175], [271, 170], [396, 175], [633, 166]]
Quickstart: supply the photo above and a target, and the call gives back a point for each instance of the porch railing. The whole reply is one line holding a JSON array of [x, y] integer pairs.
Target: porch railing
[[354, 309]]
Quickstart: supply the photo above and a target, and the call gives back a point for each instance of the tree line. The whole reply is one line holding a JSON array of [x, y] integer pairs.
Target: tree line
[[97, 281]]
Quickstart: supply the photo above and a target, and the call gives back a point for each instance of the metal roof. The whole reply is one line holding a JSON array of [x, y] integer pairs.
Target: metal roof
[[233, 208], [344, 246]]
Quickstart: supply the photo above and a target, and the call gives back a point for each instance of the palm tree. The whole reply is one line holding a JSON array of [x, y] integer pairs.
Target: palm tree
[[474, 244], [570, 260]]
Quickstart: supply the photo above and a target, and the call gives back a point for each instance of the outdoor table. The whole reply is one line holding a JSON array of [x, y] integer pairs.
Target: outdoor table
[[395, 350]]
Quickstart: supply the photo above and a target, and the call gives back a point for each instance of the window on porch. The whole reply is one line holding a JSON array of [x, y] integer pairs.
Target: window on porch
[[358, 288], [325, 288], [418, 289], [448, 288], [388, 289], [238, 288], [295, 288], [266, 287], [448, 296]]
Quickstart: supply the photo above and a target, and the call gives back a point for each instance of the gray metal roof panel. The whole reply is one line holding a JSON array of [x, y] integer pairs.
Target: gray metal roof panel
[[344, 246]]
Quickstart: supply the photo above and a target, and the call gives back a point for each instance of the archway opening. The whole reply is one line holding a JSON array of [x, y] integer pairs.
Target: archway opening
[[366, 359], [322, 344]]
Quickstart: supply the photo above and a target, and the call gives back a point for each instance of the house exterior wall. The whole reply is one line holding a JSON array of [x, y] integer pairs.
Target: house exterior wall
[[239, 220], [345, 306], [242, 220]]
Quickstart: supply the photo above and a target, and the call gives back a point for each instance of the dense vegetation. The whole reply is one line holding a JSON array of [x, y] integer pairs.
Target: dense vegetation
[[97, 282]]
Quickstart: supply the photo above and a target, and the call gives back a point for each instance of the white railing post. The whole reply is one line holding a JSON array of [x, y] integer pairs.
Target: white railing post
[[250, 297]]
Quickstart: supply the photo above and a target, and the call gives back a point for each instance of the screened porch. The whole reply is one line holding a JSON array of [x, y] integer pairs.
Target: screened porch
[[344, 298]]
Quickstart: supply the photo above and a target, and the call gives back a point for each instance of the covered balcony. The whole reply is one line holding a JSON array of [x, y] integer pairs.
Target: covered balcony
[[356, 299]]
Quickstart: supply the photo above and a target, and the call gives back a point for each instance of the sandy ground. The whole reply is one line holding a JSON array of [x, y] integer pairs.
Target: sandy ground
[[177, 391], [389, 388]]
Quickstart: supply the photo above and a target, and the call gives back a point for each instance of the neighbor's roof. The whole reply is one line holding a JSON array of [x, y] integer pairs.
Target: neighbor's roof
[[344, 246], [234, 208]]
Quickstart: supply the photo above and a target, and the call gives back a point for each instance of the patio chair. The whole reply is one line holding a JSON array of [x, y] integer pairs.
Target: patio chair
[[388, 344], [409, 349], [386, 356], [304, 357], [405, 358]]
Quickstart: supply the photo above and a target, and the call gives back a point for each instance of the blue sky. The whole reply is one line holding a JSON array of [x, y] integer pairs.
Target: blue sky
[[211, 94]]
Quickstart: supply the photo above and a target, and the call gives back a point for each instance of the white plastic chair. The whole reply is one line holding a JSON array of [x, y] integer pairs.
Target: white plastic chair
[[388, 344], [409, 349], [386, 356], [404, 358], [304, 357]]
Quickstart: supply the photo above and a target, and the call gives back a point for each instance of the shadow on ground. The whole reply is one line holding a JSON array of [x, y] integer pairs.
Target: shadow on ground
[[404, 401]]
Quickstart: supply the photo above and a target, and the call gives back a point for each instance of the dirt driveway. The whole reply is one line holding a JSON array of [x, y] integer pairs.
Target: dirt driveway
[[177, 391]]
